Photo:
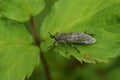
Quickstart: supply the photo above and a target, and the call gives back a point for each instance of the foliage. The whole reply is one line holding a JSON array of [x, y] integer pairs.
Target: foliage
[[99, 18]]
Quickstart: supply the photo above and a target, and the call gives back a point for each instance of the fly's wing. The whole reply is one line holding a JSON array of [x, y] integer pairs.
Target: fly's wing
[[80, 38], [73, 38], [86, 38]]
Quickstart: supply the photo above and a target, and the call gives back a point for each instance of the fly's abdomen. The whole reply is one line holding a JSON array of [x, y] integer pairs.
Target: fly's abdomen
[[80, 38]]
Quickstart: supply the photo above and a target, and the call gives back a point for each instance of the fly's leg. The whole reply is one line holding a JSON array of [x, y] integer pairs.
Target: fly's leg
[[75, 48], [66, 47], [53, 46], [89, 33]]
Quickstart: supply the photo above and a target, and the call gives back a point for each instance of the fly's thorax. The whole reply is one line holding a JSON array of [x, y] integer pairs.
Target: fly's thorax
[[61, 36]]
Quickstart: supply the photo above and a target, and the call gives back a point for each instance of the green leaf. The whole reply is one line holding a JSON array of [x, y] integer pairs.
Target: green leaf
[[18, 56], [20, 10], [99, 17]]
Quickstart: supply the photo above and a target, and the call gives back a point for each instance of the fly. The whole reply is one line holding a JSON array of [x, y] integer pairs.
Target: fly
[[70, 38]]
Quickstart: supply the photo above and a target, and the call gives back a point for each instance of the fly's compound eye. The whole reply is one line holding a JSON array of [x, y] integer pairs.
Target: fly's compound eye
[[56, 39]]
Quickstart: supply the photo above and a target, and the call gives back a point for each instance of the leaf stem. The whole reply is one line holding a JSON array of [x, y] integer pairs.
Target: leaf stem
[[35, 32], [37, 43]]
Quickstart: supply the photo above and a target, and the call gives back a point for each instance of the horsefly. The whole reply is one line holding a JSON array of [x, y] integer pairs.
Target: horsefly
[[70, 38]]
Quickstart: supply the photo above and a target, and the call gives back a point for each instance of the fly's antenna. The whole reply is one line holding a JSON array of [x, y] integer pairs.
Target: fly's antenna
[[51, 35]]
